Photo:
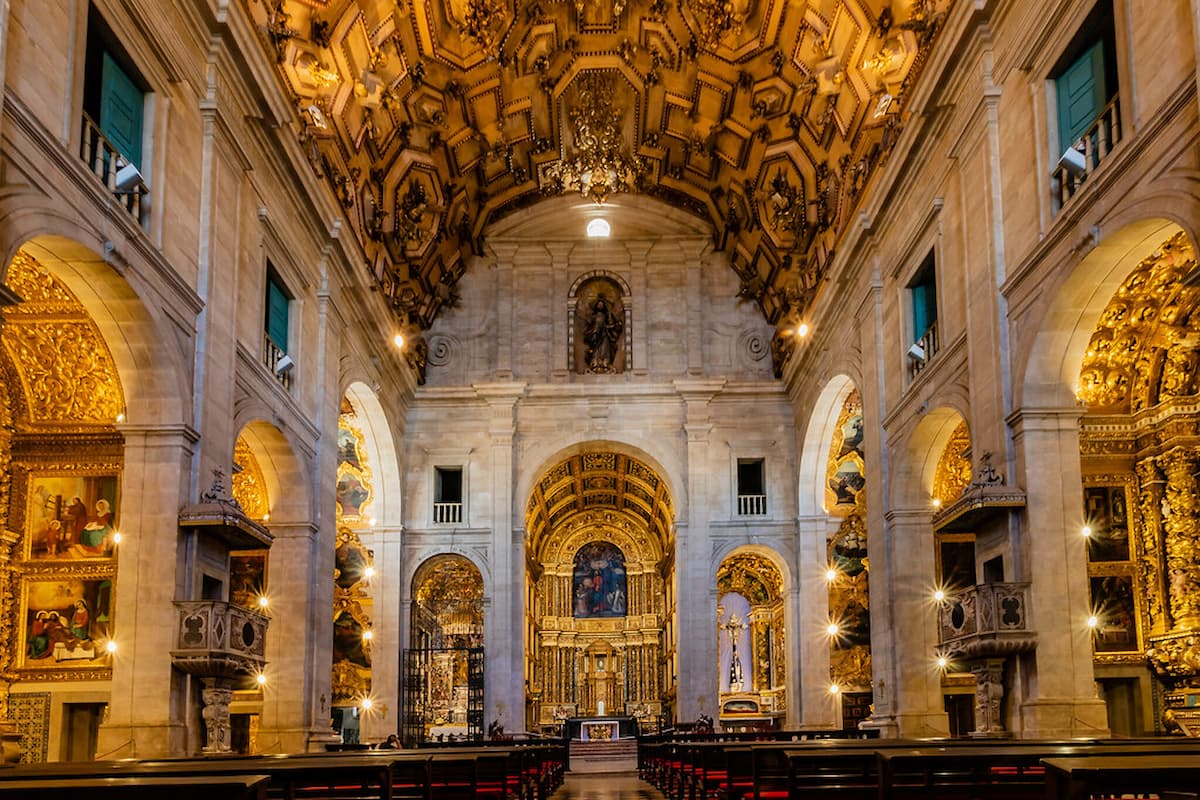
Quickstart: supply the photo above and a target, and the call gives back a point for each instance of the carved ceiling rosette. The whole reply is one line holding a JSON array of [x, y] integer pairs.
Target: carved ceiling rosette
[[480, 21], [601, 163], [717, 20]]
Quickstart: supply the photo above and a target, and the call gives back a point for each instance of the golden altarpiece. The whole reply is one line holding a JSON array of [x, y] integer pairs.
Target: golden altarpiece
[[751, 643], [1140, 445], [599, 573], [61, 457]]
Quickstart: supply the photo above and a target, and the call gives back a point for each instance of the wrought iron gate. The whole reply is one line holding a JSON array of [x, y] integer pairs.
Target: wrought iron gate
[[416, 713]]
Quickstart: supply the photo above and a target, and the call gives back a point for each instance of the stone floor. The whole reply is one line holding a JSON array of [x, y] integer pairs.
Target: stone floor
[[606, 786]]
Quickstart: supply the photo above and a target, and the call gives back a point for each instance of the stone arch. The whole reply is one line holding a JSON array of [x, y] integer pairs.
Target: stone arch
[[153, 373], [814, 453], [285, 477], [380, 445], [1056, 352], [771, 554], [913, 471]]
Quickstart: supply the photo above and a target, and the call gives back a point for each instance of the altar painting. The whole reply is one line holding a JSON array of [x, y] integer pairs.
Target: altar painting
[[247, 577], [66, 623], [70, 516], [599, 582]]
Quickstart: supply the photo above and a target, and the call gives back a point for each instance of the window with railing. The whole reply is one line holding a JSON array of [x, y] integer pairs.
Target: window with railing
[[113, 118], [447, 495], [1088, 108], [751, 487], [276, 327], [923, 336]]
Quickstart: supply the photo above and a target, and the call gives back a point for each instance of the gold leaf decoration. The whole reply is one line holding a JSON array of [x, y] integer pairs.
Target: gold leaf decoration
[[248, 486], [1146, 347], [953, 473], [38, 289]]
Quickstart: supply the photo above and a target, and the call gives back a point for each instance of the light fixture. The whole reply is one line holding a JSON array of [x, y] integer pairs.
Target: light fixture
[[368, 635], [267, 517], [939, 595], [369, 572], [831, 574], [110, 646], [261, 678], [1093, 621], [120, 418], [832, 629], [834, 688], [366, 704], [116, 537], [937, 502], [398, 340], [372, 522], [284, 365], [1086, 530], [802, 330], [943, 662], [917, 353], [263, 602], [598, 229], [128, 179]]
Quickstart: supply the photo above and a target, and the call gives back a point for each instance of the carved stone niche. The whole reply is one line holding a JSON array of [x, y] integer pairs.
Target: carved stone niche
[[600, 327]]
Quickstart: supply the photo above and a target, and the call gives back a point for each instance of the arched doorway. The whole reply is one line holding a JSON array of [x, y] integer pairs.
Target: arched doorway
[[751, 662], [599, 575], [443, 668]]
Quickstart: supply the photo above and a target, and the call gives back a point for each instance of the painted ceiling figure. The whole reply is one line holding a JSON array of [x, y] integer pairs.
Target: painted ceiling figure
[[601, 335]]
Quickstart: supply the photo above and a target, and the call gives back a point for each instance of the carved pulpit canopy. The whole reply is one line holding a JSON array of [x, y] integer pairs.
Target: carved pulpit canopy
[[219, 514], [984, 496]]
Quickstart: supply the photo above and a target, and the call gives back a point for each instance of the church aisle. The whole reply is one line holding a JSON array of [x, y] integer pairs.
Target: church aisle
[[606, 786]]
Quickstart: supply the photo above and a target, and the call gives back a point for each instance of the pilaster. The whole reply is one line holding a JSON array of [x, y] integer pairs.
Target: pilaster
[[808, 607], [1060, 696]]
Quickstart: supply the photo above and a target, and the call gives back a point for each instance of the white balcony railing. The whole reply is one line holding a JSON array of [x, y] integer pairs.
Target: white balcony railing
[[1085, 155], [447, 513], [272, 355], [112, 168], [922, 352], [752, 505]]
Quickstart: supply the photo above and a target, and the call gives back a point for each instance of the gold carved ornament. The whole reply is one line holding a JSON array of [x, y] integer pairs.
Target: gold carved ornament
[[1146, 347], [602, 164], [247, 485], [752, 576], [355, 467], [845, 466], [352, 599], [953, 473], [63, 365]]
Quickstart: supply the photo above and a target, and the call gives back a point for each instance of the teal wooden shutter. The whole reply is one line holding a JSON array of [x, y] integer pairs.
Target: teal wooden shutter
[[1081, 95], [121, 103], [277, 314], [924, 306]]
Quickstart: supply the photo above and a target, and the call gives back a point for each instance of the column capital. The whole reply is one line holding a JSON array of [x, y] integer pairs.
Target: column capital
[[1035, 418]]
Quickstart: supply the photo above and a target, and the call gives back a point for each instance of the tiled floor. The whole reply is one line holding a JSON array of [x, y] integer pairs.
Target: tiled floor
[[606, 786]]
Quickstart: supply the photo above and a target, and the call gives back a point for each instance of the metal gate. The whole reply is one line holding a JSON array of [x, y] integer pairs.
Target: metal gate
[[417, 713]]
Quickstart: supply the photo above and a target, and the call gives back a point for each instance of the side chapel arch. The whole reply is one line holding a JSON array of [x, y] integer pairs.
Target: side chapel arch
[[751, 638]]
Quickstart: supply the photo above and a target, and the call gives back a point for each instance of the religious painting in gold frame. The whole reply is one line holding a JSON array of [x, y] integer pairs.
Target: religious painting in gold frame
[[247, 577], [66, 623], [70, 516], [354, 484]]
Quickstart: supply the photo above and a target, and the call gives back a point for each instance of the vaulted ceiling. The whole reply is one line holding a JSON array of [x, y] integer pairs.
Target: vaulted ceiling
[[432, 118]]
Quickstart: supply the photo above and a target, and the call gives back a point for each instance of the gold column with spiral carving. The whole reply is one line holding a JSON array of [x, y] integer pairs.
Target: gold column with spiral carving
[[1151, 488], [9, 736], [1182, 537]]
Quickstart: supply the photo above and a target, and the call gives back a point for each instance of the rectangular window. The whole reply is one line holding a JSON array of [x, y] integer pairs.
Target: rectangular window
[[114, 104], [447, 495], [924, 299], [1087, 109], [278, 306], [751, 487]]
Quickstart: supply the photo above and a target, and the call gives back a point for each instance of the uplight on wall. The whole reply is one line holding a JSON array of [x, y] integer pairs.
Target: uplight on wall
[[598, 229]]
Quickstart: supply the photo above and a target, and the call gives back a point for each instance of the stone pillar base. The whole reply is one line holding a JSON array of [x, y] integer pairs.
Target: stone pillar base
[[140, 741], [932, 725], [296, 740], [10, 743], [1071, 718]]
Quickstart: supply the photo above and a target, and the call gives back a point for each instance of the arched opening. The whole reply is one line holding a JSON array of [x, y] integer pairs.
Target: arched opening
[[443, 670], [62, 460], [600, 602], [1139, 379], [751, 659]]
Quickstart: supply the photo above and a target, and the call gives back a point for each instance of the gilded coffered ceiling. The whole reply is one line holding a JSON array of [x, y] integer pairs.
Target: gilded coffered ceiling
[[429, 119]]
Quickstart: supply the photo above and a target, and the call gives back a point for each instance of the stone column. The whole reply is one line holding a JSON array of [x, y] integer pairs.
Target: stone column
[[697, 689], [989, 698], [807, 646], [217, 696], [1181, 518], [144, 720], [504, 688], [1060, 692], [904, 637], [291, 720], [1151, 486]]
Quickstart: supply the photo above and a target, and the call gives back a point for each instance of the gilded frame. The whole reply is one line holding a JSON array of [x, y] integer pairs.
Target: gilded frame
[[64, 657], [1122, 569]]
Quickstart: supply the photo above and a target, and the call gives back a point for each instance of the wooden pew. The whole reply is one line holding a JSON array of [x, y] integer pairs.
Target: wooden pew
[[226, 787], [1077, 778]]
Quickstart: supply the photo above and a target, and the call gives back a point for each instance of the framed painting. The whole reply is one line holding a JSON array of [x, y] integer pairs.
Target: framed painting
[[247, 577], [1116, 612], [65, 623], [70, 516], [598, 587], [1106, 510]]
